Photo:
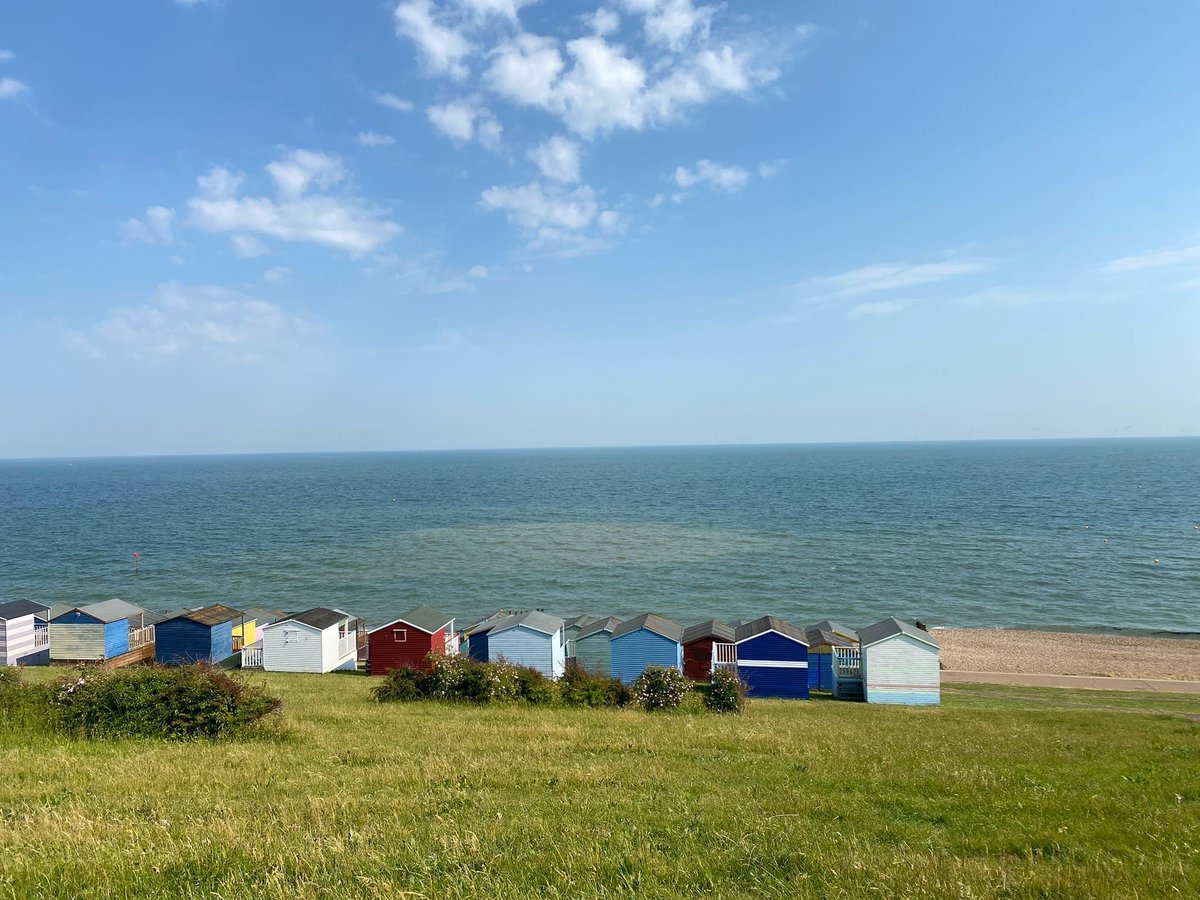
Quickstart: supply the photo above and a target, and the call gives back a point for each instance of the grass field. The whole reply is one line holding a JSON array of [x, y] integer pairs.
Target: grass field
[[1001, 792]]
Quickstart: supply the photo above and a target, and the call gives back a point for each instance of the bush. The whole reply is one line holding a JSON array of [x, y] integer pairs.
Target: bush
[[657, 688], [184, 702], [579, 687], [404, 685], [726, 692], [535, 688]]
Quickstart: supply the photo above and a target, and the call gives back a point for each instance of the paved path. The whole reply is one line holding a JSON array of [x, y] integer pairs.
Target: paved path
[[1079, 682]]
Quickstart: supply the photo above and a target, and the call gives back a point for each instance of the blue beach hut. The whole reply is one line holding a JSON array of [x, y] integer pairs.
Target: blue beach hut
[[900, 664], [533, 639], [100, 632], [476, 636], [772, 658], [197, 635], [647, 640], [823, 638]]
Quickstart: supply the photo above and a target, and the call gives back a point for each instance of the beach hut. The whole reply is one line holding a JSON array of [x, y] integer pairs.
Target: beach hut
[[647, 640], [823, 639], [410, 639], [698, 643], [476, 636], [111, 631], [199, 635], [900, 664], [24, 633], [316, 640], [571, 629], [772, 658], [593, 647], [533, 639]]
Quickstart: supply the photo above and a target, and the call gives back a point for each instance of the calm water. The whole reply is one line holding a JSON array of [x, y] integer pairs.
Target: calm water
[[1009, 534]]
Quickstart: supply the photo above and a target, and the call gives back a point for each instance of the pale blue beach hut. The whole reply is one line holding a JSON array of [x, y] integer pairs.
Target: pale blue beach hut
[[647, 640], [533, 639], [900, 664]]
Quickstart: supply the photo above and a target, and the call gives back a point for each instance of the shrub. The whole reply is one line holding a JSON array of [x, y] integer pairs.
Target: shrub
[[579, 687], [727, 692], [184, 702], [404, 685], [462, 679], [535, 688], [657, 688]]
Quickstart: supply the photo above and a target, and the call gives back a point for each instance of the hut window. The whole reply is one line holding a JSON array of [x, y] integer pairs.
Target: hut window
[[400, 635]]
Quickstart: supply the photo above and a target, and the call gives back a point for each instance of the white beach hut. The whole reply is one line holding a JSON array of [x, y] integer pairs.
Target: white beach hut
[[900, 664], [316, 640]]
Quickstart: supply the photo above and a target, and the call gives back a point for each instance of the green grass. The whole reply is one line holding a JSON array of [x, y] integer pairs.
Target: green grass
[[1001, 792]]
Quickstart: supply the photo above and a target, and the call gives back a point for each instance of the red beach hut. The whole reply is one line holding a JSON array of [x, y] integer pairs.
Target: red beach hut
[[408, 640]]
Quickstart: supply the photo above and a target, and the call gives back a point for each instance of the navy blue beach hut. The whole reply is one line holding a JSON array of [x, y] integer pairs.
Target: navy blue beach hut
[[477, 635], [772, 658], [197, 635], [647, 640]]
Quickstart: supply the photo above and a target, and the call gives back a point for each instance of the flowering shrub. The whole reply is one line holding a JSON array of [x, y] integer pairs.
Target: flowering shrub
[[153, 701], [579, 687], [726, 692], [657, 688]]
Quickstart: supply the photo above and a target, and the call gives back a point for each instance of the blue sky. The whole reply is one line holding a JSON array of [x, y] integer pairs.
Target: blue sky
[[259, 225]]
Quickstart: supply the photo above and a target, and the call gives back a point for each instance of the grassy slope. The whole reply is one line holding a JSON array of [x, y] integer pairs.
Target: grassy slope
[[1000, 792]]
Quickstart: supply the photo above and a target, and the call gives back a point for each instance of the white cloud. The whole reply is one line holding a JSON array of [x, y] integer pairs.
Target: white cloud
[[877, 309], [554, 216], [183, 319], [10, 88], [878, 277], [726, 178], [447, 339], [277, 274], [771, 169], [603, 21], [443, 48], [157, 227], [463, 120], [1002, 295], [247, 246], [374, 139], [459, 283], [392, 102], [297, 212], [7, 56], [1155, 259], [507, 9], [525, 70], [673, 23], [558, 159]]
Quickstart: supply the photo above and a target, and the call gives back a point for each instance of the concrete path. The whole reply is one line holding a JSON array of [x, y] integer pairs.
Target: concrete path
[[1079, 682]]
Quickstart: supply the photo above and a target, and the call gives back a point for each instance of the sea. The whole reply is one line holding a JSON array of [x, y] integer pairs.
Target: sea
[[1093, 535]]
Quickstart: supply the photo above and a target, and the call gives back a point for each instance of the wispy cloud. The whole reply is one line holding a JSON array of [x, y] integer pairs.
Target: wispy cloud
[[447, 340], [11, 88], [373, 139], [566, 220], [1003, 295], [1155, 259], [156, 227], [7, 56], [730, 179], [878, 309], [879, 277], [392, 102]]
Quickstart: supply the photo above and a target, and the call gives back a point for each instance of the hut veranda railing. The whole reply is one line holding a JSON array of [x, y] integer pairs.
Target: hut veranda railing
[[847, 673], [41, 636], [140, 637], [252, 656], [724, 654]]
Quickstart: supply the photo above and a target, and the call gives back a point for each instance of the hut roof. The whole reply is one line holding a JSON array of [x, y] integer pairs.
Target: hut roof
[[580, 621], [818, 637], [672, 631], [881, 631], [489, 623], [770, 623], [15, 609], [710, 629], [213, 614], [319, 617], [106, 611], [534, 620], [423, 618], [607, 624], [264, 616], [834, 628]]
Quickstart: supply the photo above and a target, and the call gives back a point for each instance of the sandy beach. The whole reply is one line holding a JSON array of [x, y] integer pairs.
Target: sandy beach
[[1060, 653]]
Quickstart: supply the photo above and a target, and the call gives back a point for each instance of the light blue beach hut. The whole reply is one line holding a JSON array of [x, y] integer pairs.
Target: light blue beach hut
[[533, 639], [593, 647], [900, 664], [647, 640]]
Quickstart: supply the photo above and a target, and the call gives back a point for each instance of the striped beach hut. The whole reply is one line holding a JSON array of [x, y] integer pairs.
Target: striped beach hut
[[24, 633], [315, 640], [409, 640], [109, 631], [199, 635], [823, 639], [593, 647], [647, 640], [533, 639], [772, 658], [698, 643], [900, 664]]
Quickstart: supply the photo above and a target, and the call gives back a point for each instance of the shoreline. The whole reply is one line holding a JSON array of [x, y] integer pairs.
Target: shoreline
[[1069, 653]]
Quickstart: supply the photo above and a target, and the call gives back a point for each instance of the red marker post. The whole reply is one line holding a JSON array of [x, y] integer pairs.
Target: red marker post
[[137, 566]]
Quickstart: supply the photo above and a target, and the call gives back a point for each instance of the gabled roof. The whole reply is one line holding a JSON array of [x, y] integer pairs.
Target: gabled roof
[[718, 631], [770, 623], [672, 631], [423, 618], [264, 616], [485, 625], [149, 617], [818, 637], [598, 626], [834, 628], [881, 631], [580, 621], [15, 609], [106, 611], [213, 614], [318, 617], [534, 620]]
